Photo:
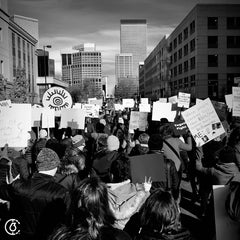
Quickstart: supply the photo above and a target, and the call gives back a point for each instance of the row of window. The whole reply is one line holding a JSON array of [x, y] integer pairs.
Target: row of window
[[183, 67], [232, 41], [184, 82], [232, 60], [232, 22]]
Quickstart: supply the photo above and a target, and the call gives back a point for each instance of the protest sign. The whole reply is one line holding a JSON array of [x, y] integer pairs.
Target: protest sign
[[91, 110], [236, 101], [15, 122], [77, 105], [144, 100], [118, 107], [163, 110], [144, 107], [142, 122], [173, 99], [203, 122], [134, 120], [98, 102], [48, 118], [184, 99], [198, 100], [5, 103], [73, 118], [128, 102], [91, 99], [57, 98], [149, 166], [36, 116], [229, 100], [179, 128], [163, 100], [221, 109]]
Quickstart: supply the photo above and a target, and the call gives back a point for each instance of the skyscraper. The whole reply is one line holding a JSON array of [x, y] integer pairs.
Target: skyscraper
[[124, 65], [133, 39]]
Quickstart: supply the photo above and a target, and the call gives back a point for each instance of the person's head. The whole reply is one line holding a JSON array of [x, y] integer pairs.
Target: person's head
[[166, 130], [43, 133], [234, 138], [68, 132], [90, 207], [47, 161], [143, 139], [155, 142], [113, 143], [160, 212], [78, 141], [99, 127], [101, 143]]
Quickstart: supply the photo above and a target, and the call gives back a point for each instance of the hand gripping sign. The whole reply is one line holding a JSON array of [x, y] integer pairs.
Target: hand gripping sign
[[57, 98]]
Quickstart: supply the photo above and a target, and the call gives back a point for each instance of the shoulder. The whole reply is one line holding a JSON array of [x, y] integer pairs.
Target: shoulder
[[113, 233]]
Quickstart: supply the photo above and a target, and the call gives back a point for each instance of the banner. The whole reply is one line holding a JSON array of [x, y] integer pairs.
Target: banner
[[73, 118], [144, 107], [48, 118], [91, 110], [57, 98], [184, 99], [15, 122], [163, 110], [236, 101], [203, 122], [128, 103]]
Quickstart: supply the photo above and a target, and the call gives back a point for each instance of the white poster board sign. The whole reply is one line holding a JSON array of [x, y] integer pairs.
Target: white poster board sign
[[134, 120], [91, 110], [163, 100], [36, 116], [144, 100], [163, 110], [229, 100], [77, 105], [91, 99], [57, 98], [15, 122], [5, 103], [236, 101], [143, 122], [184, 99], [144, 107], [48, 118], [173, 99], [198, 100], [118, 107], [128, 102], [74, 118], [98, 102], [203, 122], [226, 228]]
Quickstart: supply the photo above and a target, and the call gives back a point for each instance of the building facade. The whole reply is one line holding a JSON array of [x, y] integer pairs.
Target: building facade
[[204, 52], [83, 67], [123, 65], [17, 52]]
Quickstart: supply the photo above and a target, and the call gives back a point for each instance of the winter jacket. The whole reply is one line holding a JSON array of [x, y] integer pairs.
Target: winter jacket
[[125, 199], [39, 204], [139, 150]]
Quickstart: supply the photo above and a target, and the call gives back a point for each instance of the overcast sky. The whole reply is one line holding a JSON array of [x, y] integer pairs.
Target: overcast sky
[[66, 23]]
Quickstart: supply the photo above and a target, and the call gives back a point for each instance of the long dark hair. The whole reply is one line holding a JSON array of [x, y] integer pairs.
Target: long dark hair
[[160, 213], [234, 137]]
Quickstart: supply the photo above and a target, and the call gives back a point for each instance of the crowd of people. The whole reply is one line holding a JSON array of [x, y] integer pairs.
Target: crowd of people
[[77, 184]]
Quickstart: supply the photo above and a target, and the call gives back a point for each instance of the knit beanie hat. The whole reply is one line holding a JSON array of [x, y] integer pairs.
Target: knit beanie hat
[[78, 141], [43, 133], [155, 142], [143, 138], [113, 143], [47, 159]]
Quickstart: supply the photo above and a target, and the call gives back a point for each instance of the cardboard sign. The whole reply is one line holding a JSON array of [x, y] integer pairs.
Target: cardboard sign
[[203, 122], [184, 99], [173, 99], [15, 122], [5, 103], [74, 118], [226, 228], [147, 165], [144, 100], [91, 110], [48, 118], [179, 128], [36, 116], [236, 101], [144, 107], [163, 100], [163, 110], [57, 98], [128, 103], [229, 100]]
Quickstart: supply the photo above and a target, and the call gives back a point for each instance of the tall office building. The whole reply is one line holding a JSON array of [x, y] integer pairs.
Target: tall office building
[[124, 65], [133, 39], [84, 66]]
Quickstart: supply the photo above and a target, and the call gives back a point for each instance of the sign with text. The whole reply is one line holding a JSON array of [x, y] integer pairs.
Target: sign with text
[[98, 102], [91, 110], [128, 102], [163, 110], [144, 107], [236, 101], [184, 99], [179, 128], [163, 100], [48, 118], [5, 103], [143, 122], [118, 107], [198, 100], [203, 122], [15, 122], [138, 120], [173, 99], [73, 118], [57, 98]]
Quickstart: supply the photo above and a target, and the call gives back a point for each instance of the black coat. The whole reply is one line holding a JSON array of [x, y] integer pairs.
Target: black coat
[[39, 204]]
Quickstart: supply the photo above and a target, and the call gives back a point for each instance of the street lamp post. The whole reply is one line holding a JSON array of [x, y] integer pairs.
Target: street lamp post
[[44, 63]]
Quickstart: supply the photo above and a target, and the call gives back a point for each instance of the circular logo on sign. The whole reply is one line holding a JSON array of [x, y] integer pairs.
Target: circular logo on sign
[[57, 98], [12, 227]]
